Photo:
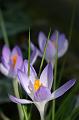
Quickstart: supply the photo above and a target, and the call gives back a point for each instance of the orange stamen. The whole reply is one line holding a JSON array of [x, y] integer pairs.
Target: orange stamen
[[37, 85], [14, 60]]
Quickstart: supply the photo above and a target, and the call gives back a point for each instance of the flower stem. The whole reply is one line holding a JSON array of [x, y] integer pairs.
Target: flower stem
[[42, 115], [55, 75], [25, 113], [15, 86], [42, 118]]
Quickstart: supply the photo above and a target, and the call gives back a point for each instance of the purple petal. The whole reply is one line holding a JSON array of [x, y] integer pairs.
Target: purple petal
[[42, 94], [33, 47], [62, 43], [6, 53], [14, 68], [53, 36], [6, 65], [24, 80], [62, 47], [19, 101], [50, 52], [46, 77], [42, 41], [33, 74], [7, 71], [50, 75], [34, 56], [60, 91], [16, 51], [18, 64]]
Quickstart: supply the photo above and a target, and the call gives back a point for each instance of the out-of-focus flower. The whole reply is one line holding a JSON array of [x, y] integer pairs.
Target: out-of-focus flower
[[51, 46], [35, 53], [39, 89], [11, 61]]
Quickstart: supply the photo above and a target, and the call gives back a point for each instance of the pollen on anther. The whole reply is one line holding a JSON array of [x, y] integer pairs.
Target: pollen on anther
[[14, 60], [37, 85]]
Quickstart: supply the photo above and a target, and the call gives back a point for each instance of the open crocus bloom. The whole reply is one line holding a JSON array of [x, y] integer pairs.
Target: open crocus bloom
[[51, 47], [39, 89], [11, 61]]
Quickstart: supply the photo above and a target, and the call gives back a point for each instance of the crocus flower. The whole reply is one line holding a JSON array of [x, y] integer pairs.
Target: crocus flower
[[51, 46], [39, 89], [11, 61]]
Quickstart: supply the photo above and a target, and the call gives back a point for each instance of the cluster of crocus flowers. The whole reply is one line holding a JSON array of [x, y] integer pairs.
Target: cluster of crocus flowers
[[39, 89], [62, 44], [11, 61]]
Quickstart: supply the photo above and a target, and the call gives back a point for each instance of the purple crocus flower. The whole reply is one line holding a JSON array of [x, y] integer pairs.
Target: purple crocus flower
[[11, 61], [39, 89], [51, 47]]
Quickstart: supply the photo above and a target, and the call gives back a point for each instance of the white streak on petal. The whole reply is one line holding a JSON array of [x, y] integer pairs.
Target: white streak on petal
[[24, 80], [3, 70], [34, 56], [19, 101]]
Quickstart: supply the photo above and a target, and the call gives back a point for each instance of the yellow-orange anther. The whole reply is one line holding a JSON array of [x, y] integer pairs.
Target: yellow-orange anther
[[14, 60], [37, 85]]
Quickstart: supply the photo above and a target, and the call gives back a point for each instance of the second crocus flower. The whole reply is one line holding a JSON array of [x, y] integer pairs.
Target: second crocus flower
[[11, 61], [51, 49]]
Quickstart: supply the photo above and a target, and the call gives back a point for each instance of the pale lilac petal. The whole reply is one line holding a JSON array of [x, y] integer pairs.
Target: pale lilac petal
[[33, 47], [42, 94], [50, 75], [64, 49], [60, 91], [42, 41], [6, 65], [62, 43], [46, 77], [24, 80], [19, 101], [61, 40], [16, 51], [14, 69], [53, 36], [19, 64], [4, 70], [34, 56], [33, 73], [6, 53], [50, 52]]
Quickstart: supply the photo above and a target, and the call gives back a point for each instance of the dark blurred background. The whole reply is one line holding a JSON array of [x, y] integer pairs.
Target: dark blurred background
[[19, 15]]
